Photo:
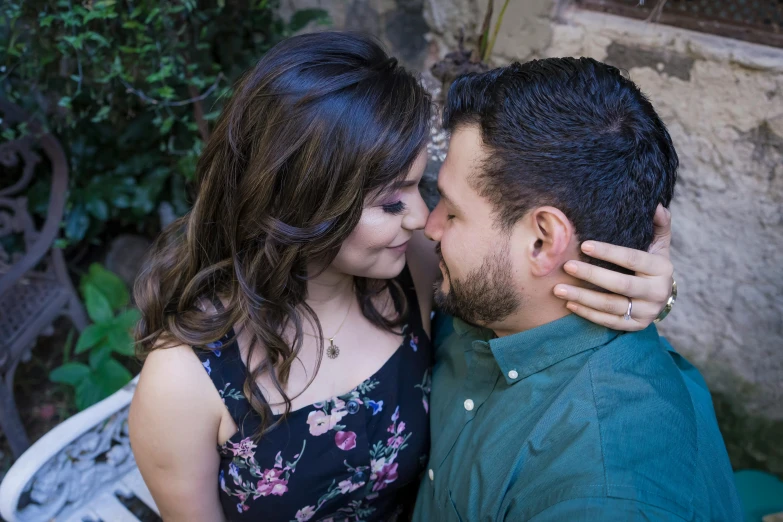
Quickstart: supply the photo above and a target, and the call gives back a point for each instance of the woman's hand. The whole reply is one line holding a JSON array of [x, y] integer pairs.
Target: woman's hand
[[649, 288]]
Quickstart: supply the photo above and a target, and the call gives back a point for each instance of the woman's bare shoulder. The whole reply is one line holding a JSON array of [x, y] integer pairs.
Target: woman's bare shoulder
[[174, 387]]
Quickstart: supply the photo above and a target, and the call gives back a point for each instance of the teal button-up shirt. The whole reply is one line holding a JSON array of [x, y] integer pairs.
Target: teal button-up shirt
[[570, 422]]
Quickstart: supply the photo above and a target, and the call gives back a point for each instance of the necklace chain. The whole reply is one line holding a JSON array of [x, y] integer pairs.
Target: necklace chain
[[333, 351]]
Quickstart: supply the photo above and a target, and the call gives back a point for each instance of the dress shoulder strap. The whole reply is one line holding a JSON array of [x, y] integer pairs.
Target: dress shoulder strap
[[223, 363]]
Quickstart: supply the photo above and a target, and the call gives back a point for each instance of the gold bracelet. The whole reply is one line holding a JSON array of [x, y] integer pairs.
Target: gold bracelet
[[669, 303]]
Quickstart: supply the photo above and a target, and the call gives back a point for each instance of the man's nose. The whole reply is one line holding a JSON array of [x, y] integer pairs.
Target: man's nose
[[434, 228]]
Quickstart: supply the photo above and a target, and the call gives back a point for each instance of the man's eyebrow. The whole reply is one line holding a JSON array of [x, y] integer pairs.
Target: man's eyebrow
[[446, 198]]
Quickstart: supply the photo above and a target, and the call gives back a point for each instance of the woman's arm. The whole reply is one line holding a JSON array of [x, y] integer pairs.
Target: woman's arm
[[649, 288], [174, 420]]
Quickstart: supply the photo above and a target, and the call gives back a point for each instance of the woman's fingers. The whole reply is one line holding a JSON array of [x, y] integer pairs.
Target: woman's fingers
[[615, 322], [609, 303], [635, 260], [662, 226], [651, 289]]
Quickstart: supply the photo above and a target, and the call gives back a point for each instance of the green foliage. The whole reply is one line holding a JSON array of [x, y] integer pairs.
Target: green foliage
[[130, 88], [106, 299]]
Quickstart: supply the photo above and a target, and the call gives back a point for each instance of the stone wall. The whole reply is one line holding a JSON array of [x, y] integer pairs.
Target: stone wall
[[722, 101], [399, 24]]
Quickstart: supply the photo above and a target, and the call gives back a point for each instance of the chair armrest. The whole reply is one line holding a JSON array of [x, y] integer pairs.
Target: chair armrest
[[66, 466]]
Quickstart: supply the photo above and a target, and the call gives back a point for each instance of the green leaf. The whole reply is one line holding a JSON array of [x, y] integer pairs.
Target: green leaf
[[133, 24], [303, 17], [165, 92], [109, 284], [127, 319], [98, 207], [98, 306], [107, 377], [102, 113], [100, 354], [212, 115], [91, 336], [46, 21], [70, 373], [76, 223], [152, 15], [98, 38], [121, 341], [88, 392], [112, 376], [166, 125], [121, 201], [95, 14], [75, 41]]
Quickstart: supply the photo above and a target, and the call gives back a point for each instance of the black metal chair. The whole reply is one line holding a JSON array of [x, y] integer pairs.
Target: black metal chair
[[34, 285]]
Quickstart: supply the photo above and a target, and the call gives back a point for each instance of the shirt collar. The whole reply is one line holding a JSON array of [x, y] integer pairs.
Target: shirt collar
[[465, 329], [525, 353]]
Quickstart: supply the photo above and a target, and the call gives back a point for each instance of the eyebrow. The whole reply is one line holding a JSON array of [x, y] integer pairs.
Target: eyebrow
[[447, 199]]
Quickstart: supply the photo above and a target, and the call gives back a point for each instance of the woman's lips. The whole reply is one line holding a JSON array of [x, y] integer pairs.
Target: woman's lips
[[400, 248]]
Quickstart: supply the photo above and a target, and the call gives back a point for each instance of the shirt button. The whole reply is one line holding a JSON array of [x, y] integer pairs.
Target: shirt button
[[431, 474], [513, 374], [468, 404]]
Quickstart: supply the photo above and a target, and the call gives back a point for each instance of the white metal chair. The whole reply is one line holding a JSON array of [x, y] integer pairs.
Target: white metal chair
[[78, 471]]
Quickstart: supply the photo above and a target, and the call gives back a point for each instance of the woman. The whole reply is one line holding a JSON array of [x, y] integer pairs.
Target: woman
[[304, 239]]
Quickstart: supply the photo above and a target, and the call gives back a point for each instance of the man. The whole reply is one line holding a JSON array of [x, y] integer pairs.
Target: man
[[538, 414]]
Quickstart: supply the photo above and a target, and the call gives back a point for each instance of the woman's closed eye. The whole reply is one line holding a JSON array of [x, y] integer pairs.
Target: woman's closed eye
[[394, 208]]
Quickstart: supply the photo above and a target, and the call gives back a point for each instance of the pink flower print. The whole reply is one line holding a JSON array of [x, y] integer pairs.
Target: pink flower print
[[386, 476], [305, 514], [345, 440], [245, 449], [280, 488], [426, 404], [395, 442], [346, 486], [319, 423], [376, 466], [400, 427], [336, 416], [339, 404], [271, 483]]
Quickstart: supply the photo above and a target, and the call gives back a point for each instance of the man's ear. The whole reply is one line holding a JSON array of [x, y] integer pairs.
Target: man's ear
[[552, 235]]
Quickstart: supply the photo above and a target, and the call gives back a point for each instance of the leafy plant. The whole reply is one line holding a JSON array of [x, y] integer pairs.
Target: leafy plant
[[471, 59], [486, 43], [130, 87], [106, 299]]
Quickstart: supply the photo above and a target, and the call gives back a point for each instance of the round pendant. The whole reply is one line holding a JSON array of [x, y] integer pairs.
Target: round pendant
[[332, 351]]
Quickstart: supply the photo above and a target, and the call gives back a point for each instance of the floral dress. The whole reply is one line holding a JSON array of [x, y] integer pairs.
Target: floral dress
[[356, 457]]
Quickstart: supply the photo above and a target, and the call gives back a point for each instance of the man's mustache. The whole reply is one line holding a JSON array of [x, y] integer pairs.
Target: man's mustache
[[440, 257]]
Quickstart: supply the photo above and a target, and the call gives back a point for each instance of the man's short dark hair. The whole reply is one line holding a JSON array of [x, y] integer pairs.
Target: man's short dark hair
[[573, 133]]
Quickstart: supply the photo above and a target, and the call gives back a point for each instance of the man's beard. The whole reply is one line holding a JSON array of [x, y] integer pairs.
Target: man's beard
[[484, 296]]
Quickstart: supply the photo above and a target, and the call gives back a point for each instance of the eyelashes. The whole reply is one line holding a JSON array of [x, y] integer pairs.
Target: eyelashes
[[394, 208]]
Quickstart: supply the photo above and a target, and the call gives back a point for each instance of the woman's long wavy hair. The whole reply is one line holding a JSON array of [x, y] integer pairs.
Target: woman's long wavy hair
[[322, 122]]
